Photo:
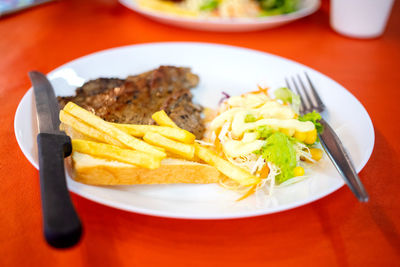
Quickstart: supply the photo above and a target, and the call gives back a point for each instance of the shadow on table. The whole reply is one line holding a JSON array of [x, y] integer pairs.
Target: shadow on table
[[380, 209]]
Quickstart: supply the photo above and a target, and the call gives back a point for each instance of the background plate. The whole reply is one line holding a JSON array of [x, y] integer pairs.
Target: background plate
[[221, 69], [307, 7]]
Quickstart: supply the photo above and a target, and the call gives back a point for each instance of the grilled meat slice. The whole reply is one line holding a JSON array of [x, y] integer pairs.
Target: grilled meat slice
[[136, 98]]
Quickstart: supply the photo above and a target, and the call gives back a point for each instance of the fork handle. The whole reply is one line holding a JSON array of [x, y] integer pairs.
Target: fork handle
[[340, 158]]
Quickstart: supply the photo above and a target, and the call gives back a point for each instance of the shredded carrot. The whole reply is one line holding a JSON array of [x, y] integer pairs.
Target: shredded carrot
[[264, 171], [251, 191], [263, 89], [264, 174]]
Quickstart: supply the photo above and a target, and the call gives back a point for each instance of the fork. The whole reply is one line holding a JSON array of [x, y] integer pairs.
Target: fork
[[331, 143]]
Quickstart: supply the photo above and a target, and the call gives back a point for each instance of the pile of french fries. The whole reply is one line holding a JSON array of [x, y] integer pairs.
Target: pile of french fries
[[143, 145]]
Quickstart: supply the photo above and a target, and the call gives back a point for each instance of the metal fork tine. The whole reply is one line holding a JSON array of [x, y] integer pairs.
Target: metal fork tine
[[311, 105], [317, 98], [301, 109], [306, 102], [287, 84], [294, 90]]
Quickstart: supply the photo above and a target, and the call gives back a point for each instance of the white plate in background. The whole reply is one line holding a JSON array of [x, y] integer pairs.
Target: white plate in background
[[221, 68], [307, 7]]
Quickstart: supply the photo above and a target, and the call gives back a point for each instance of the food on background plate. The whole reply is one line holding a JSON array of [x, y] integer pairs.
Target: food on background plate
[[221, 8]]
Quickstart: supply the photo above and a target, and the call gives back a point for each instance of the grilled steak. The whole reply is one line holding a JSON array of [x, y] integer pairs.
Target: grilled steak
[[136, 98]]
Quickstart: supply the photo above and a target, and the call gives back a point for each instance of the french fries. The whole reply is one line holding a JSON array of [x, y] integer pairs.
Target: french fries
[[169, 132], [162, 119], [117, 142], [113, 131], [85, 129], [184, 150], [232, 171], [116, 153]]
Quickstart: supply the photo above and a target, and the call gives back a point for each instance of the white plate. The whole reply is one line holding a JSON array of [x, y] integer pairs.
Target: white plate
[[221, 69], [307, 7]]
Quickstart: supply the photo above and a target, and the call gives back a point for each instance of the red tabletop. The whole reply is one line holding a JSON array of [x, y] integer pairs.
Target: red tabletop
[[334, 231]]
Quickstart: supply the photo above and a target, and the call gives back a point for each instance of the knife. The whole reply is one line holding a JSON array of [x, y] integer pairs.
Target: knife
[[61, 224]]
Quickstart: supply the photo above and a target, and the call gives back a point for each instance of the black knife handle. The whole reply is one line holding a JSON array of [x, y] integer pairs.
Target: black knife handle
[[62, 227]]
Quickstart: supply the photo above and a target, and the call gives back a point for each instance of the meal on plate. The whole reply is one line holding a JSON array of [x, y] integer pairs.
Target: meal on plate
[[145, 129], [221, 8]]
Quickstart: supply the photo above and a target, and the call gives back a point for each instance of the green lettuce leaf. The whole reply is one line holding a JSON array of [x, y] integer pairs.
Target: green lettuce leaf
[[264, 131], [279, 150], [209, 5], [250, 118], [287, 96], [277, 7], [314, 117]]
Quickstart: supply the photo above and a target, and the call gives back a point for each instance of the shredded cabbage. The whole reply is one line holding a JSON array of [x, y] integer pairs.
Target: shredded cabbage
[[281, 151], [204, 143]]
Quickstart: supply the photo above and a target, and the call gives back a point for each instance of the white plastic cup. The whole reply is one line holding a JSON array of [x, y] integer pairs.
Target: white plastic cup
[[360, 18]]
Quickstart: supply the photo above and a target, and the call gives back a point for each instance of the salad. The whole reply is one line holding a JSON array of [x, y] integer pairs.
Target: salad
[[266, 136], [221, 8]]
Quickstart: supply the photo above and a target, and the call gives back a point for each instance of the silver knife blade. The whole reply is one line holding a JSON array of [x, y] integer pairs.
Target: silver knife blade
[[46, 104]]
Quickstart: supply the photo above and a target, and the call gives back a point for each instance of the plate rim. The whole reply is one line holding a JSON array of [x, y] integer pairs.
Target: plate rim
[[227, 216], [169, 214]]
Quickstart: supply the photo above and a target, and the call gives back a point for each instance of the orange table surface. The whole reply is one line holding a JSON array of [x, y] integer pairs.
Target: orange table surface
[[334, 231]]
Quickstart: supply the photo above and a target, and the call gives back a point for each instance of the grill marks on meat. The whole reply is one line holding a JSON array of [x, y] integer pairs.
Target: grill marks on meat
[[136, 98], [95, 95]]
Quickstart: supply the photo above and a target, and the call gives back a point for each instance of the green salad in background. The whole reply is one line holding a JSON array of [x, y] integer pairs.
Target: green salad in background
[[222, 8], [277, 7]]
